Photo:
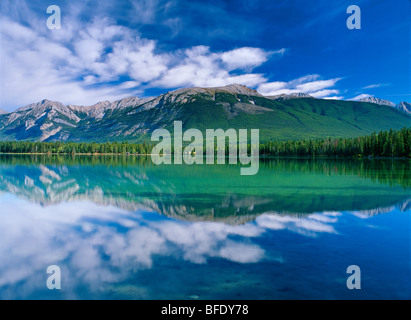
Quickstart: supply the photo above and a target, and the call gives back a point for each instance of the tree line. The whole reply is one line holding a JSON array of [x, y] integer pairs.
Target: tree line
[[29, 147], [393, 143]]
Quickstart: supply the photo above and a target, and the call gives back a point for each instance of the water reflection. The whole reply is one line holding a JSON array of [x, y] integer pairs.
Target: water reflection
[[138, 231], [216, 193], [101, 245]]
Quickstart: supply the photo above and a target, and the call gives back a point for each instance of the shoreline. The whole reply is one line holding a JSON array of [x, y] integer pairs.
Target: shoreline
[[318, 157]]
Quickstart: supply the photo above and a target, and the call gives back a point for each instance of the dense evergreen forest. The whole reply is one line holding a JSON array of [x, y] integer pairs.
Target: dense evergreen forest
[[393, 143]]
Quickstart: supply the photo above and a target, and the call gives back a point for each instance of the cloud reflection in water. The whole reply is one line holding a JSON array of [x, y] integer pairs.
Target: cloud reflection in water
[[103, 244]]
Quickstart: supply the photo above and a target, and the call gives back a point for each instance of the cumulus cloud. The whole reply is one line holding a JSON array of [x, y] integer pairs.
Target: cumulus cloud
[[35, 67], [198, 66], [86, 62], [247, 57]]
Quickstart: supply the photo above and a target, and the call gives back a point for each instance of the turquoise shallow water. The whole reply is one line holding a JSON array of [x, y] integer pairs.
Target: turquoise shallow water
[[122, 228]]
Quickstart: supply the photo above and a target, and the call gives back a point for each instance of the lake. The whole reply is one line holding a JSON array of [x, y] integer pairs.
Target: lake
[[124, 228]]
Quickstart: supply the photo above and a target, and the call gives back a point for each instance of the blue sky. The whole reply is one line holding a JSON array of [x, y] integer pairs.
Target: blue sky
[[108, 50]]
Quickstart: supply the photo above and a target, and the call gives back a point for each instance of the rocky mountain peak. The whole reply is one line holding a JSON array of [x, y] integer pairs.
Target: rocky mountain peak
[[101, 104], [236, 89], [404, 106], [44, 104], [231, 88], [295, 95], [375, 100], [299, 95], [126, 102]]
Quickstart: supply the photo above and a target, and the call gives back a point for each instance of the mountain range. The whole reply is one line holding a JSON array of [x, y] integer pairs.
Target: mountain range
[[402, 106], [235, 106]]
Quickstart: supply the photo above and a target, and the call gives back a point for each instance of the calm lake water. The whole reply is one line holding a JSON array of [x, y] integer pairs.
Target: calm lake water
[[123, 228]]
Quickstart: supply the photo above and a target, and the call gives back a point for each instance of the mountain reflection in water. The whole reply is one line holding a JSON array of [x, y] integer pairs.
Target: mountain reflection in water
[[216, 192], [120, 227]]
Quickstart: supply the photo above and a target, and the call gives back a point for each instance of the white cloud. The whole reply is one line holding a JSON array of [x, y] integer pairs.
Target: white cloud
[[305, 79], [333, 98], [324, 93], [35, 67], [316, 86], [322, 218], [89, 50], [79, 63], [376, 85], [307, 84], [102, 244], [274, 88], [249, 253], [200, 67], [146, 10], [246, 58], [129, 84], [309, 226], [360, 96], [84, 61]]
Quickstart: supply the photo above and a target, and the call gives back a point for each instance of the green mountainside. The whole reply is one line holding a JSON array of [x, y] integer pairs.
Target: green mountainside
[[233, 106]]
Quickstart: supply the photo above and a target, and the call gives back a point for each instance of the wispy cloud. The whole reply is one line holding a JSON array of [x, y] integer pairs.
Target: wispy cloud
[[376, 85], [360, 96], [310, 226], [334, 98], [311, 84]]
